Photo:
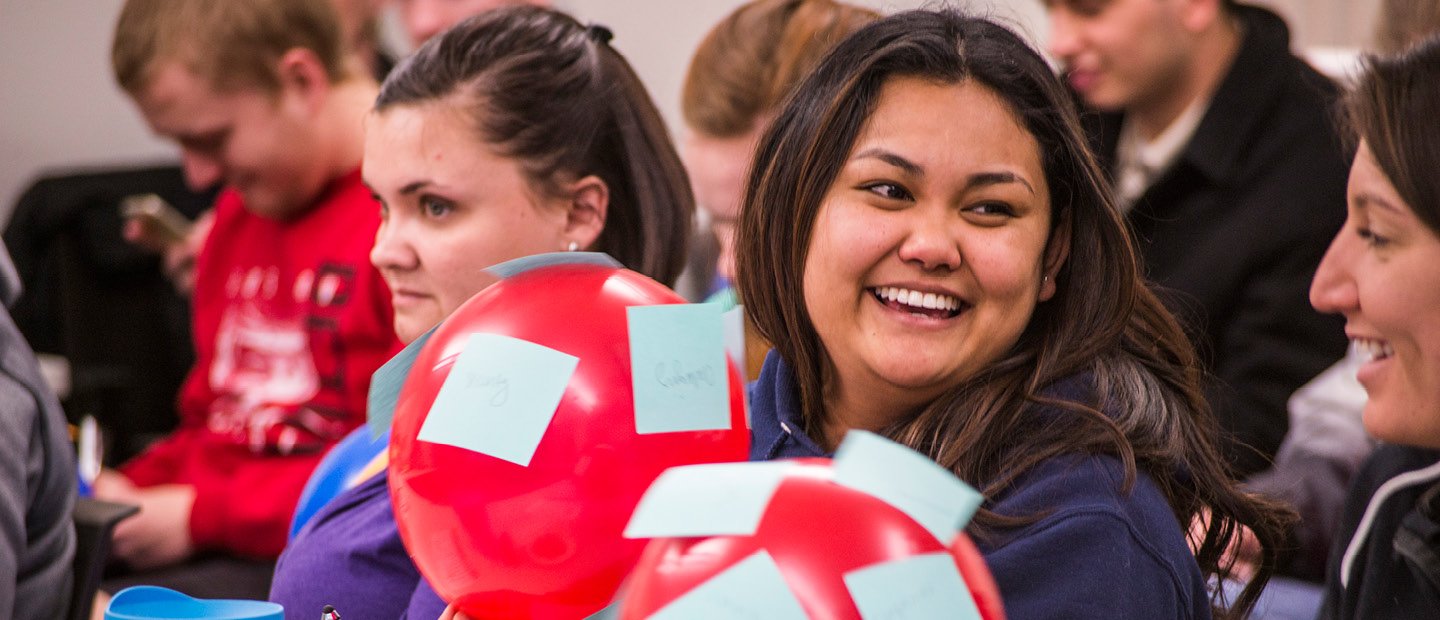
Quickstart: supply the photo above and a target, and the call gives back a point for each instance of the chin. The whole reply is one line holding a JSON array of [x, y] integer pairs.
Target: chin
[[1401, 424], [408, 329]]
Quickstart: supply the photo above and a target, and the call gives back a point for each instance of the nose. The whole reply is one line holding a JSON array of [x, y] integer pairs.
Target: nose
[[1334, 290], [202, 171], [392, 250], [1064, 41], [423, 19], [932, 242]]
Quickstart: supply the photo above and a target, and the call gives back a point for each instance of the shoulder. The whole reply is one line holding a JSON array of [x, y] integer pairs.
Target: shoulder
[[1087, 529]]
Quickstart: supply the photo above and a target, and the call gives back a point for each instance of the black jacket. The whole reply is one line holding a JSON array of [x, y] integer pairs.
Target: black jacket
[[1233, 231], [1395, 569]]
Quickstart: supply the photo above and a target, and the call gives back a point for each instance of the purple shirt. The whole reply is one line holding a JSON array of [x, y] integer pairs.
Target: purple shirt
[[349, 556]]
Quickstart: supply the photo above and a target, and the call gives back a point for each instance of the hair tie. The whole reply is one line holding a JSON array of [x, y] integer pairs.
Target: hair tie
[[599, 34]]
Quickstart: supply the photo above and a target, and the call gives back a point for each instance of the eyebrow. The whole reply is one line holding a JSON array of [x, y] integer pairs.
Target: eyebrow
[[414, 186], [1366, 199], [978, 179]]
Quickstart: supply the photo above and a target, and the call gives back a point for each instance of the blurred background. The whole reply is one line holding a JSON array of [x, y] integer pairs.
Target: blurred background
[[60, 111]]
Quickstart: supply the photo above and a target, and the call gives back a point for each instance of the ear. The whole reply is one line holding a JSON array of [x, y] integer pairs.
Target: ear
[[586, 208], [1057, 251], [303, 79]]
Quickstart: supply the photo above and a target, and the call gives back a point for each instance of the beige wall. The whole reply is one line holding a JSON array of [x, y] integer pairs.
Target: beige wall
[[59, 108]]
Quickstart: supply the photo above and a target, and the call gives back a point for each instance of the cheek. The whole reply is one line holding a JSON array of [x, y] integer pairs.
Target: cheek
[[456, 273], [1001, 270]]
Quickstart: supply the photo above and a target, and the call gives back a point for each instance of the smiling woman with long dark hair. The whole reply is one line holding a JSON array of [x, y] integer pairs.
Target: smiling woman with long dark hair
[[930, 247]]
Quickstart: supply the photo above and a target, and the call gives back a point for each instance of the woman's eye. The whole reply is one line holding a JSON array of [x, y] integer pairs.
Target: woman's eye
[[434, 207], [1374, 240], [889, 191], [993, 209]]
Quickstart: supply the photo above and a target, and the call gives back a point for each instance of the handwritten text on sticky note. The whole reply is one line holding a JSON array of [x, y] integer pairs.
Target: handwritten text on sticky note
[[678, 368], [499, 397]]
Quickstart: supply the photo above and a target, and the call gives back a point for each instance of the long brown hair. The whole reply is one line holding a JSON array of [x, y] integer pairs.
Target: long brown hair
[[1148, 410], [749, 61], [544, 89]]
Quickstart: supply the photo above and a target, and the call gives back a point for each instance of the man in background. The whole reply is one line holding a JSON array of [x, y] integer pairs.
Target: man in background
[[1223, 152], [289, 318]]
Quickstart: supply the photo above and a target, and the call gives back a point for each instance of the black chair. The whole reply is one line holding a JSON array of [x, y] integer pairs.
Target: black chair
[[95, 522], [101, 303]]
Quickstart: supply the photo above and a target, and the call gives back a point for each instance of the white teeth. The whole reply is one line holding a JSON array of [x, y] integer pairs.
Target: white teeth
[[1371, 350], [929, 301]]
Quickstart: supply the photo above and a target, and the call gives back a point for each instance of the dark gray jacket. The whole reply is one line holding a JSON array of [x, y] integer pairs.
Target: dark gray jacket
[[37, 479]]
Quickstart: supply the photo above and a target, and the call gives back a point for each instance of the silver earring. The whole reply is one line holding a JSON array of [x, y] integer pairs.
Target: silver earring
[[572, 247], [1045, 279]]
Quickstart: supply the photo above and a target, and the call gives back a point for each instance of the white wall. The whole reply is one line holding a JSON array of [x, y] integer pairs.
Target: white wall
[[58, 106], [60, 109]]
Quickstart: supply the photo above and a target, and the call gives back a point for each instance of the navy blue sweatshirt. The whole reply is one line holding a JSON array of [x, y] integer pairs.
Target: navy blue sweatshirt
[[1097, 552]]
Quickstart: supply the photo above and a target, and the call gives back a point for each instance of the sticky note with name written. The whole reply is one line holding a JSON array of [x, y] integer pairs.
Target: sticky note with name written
[[678, 368], [716, 499], [751, 588], [915, 588], [499, 397], [907, 480]]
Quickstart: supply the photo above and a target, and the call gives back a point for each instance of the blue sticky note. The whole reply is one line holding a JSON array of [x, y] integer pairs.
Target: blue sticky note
[[535, 261], [499, 397], [718, 499], [734, 320], [921, 587], [752, 588], [677, 367], [907, 480], [385, 386]]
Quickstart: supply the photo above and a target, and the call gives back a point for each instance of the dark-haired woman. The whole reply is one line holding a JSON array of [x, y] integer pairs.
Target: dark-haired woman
[[930, 247], [517, 132], [1382, 273]]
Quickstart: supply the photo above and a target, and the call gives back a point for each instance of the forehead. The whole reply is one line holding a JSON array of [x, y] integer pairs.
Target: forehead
[[176, 100], [433, 139], [964, 124]]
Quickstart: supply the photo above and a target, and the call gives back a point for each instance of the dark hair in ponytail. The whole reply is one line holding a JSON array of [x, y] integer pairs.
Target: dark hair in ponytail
[[550, 92]]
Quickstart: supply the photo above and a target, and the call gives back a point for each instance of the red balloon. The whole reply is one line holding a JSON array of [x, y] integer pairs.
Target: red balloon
[[501, 540], [816, 531]]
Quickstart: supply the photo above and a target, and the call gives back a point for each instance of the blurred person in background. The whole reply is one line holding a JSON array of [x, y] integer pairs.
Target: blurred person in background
[[473, 152], [740, 74], [290, 319], [424, 19], [1220, 144]]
